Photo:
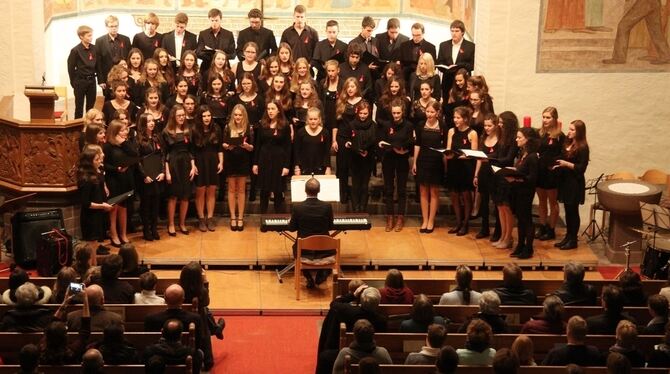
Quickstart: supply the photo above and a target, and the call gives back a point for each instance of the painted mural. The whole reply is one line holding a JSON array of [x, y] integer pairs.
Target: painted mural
[[441, 10], [604, 36]]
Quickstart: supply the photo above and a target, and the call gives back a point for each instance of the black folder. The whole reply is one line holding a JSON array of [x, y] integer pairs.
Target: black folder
[[120, 198], [368, 58], [153, 165]]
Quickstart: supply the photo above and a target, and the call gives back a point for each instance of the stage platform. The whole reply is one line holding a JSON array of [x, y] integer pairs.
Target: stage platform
[[371, 249]]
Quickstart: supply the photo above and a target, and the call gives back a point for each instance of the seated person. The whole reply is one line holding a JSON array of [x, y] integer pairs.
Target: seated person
[[513, 292], [131, 263], [618, 364], [505, 362], [171, 349], [147, 295], [489, 311], [368, 365], [626, 334], [437, 334], [92, 362], [29, 359], [56, 349], [362, 346], [27, 316], [114, 348], [421, 315], [82, 259], [550, 321], [576, 351], [463, 294], [660, 356], [66, 275], [447, 360], [574, 291], [633, 292], [658, 309], [524, 349], [477, 349], [606, 323], [394, 290], [100, 318], [116, 291], [17, 277]]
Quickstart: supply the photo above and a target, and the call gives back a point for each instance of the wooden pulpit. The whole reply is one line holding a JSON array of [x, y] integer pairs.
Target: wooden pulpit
[[42, 100]]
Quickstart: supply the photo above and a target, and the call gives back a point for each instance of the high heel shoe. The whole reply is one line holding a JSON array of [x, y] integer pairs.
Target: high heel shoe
[[454, 230], [505, 244], [240, 225], [233, 224], [463, 230], [173, 232], [183, 230]]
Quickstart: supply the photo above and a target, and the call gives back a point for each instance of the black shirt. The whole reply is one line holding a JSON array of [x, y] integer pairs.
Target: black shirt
[[264, 38], [302, 45], [388, 49], [582, 355], [324, 51], [605, 324], [81, 63], [362, 75], [109, 52], [516, 296], [223, 41], [147, 44]]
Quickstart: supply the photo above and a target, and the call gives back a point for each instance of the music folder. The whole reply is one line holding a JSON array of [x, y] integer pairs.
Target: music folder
[[507, 172], [445, 68], [120, 198], [471, 153], [236, 141], [368, 58], [153, 165]]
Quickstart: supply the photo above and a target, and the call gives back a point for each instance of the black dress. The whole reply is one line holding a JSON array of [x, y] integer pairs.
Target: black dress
[[206, 148], [273, 153], [108, 111], [460, 172], [550, 151], [571, 183], [92, 220], [329, 100], [312, 152], [239, 72], [430, 163], [237, 160], [255, 108], [502, 189], [485, 176], [218, 106], [119, 156], [193, 84], [179, 154]]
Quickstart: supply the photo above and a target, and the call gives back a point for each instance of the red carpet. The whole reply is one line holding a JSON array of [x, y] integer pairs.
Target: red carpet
[[270, 344], [610, 272]]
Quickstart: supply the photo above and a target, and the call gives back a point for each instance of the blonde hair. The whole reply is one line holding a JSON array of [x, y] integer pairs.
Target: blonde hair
[[554, 129], [159, 76], [430, 65], [153, 18], [234, 131], [90, 116], [295, 79]]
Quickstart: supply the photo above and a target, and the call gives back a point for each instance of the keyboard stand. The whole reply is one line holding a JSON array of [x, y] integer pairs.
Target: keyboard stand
[[289, 267]]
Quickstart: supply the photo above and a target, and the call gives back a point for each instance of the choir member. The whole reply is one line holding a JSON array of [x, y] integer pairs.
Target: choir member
[[189, 70], [154, 106], [286, 59], [460, 170], [369, 43], [180, 93], [81, 68], [425, 72], [179, 40], [327, 48], [263, 37], [478, 82], [166, 68], [119, 102], [208, 154], [249, 64], [92, 117], [312, 146], [116, 73], [189, 108], [135, 69], [306, 98], [391, 69], [330, 87], [428, 165], [238, 148], [272, 69], [353, 68], [180, 169], [152, 77], [213, 39], [280, 93], [458, 96], [272, 156], [489, 144], [409, 51], [507, 151], [389, 41], [94, 135], [148, 40], [92, 193], [360, 139], [345, 112], [551, 144], [248, 96], [300, 75], [220, 68], [419, 105], [110, 49], [456, 53], [148, 142], [301, 37], [216, 99], [395, 89], [480, 110], [571, 184]]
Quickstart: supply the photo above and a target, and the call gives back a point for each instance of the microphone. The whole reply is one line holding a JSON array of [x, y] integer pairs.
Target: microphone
[[629, 243], [44, 79]]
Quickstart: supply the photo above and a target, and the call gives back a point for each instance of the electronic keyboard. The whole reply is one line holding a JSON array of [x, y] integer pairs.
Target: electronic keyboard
[[340, 222]]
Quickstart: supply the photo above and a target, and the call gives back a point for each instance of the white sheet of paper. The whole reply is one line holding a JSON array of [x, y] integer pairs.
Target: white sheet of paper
[[330, 188]]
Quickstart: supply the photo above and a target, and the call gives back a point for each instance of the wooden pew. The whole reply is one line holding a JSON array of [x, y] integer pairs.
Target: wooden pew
[[161, 285], [400, 345], [108, 369], [434, 288], [516, 315], [430, 369], [132, 314]]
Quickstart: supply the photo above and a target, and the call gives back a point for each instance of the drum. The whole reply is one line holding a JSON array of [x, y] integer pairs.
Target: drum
[[656, 261]]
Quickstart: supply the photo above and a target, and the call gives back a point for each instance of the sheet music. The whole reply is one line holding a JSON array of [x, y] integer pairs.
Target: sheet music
[[330, 188], [474, 153]]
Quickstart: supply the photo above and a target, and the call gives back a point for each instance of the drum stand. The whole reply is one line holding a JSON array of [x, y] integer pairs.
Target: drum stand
[[593, 230], [626, 248]]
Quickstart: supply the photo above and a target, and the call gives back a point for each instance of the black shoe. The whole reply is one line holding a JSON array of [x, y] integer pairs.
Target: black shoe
[[463, 231], [525, 254], [541, 229], [252, 197], [423, 231], [310, 282], [147, 235], [517, 251], [455, 230], [570, 244], [102, 250], [321, 276], [155, 234], [220, 325], [549, 234], [482, 234], [429, 231], [562, 242], [495, 237], [115, 245], [183, 231]]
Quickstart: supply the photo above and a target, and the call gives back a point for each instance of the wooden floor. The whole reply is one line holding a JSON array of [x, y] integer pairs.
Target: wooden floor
[[374, 248]]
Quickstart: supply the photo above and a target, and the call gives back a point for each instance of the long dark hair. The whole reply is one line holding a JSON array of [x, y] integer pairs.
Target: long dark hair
[[202, 136], [464, 280], [191, 280], [532, 140], [579, 141], [143, 137], [387, 97], [86, 172], [281, 119], [510, 125]]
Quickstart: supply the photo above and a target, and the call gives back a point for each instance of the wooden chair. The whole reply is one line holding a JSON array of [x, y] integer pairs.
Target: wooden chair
[[619, 175], [654, 176], [315, 243]]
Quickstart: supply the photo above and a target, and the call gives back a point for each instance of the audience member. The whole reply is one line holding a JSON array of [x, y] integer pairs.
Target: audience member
[[633, 292], [524, 349], [26, 316], [362, 346], [170, 347], [477, 349], [447, 360], [56, 349], [513, 292], [131, 266], [505, 362], [437, 334], [116, 291], [114, 348], [66, 275], [147, 294], [82, 259], [574, 291], [100, 318], [489, 311], [368, 365], [463, 294], [665, 291], [17, 277], [92, 276], [421, 315], [606, 323], [658, 309], [394, 290], [618, 364], [660, 356], [626, 334], [92, 362], [29, 359], [576, 351], [550, 321]]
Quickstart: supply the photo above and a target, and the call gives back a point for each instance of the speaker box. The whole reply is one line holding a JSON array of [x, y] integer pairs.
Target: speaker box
[[27, 229]]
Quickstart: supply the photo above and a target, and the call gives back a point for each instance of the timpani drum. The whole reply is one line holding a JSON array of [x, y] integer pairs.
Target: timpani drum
[[657, 258], [622, 198]]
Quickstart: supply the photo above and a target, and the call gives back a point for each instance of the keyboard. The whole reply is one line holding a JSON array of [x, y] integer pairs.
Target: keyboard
[[340, 223]]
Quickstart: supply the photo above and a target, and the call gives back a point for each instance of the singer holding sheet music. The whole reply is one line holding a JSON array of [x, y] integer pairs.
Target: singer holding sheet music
[[484, 173], [571, 183], [119, 166], [148, 142], [360, 138], [238, 147], [91, 183]]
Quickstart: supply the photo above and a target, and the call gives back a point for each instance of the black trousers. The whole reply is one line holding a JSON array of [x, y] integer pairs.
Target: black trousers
[[360, 181], [149, 206], [523, 205], [395, 168], [572, 220], [278, 201], [84, 90], [343, 158], [485, 211]]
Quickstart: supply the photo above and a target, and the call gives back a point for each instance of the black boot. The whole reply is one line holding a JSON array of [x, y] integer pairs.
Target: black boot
[[519, 248], [484, 232], [549, 234], [526, 253], [570, 244], [541, 229], [562, 242], [146, 233]]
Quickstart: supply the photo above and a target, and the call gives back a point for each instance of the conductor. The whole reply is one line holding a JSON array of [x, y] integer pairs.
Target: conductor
[[312, 217]]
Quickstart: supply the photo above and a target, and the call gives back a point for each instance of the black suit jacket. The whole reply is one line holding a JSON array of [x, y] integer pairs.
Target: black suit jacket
[[311, 217], [154, 322], [223, 41], [387, 50], [465, 59], [408, 57], [105, 55], [190, 43]]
